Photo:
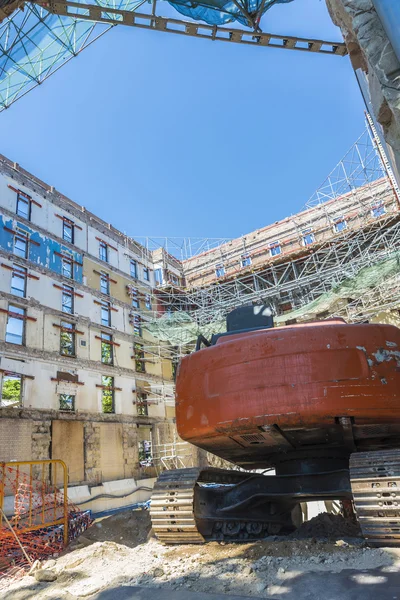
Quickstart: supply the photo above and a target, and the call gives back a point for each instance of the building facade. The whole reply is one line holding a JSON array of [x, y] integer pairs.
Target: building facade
[[79, 380]]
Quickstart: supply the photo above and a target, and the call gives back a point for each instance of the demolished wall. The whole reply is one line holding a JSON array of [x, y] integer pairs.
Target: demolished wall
[[370, 50]]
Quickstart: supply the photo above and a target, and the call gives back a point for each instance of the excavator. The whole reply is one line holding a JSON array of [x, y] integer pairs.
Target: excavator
[[303, 412]]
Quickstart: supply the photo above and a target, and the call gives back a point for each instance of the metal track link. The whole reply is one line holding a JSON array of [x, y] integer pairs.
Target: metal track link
[[172, 509], [375, 483]]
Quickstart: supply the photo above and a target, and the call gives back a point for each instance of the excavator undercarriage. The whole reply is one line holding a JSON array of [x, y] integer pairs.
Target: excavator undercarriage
[[197, 505]]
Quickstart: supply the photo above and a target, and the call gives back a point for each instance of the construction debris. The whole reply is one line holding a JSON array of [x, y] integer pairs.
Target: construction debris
[[253, 569]]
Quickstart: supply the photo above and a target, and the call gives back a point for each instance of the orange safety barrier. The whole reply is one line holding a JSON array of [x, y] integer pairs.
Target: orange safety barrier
[[36, 519]]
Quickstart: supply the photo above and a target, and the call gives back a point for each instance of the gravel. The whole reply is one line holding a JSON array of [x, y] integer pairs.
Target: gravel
[[251, 569]]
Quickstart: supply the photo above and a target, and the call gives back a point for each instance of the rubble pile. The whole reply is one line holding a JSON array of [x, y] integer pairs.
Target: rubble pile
[[258, 569]]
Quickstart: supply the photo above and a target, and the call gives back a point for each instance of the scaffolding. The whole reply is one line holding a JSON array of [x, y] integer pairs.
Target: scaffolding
[[362, 189]]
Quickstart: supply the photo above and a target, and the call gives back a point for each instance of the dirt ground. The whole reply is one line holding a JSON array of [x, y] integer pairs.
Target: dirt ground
[[120, 550]]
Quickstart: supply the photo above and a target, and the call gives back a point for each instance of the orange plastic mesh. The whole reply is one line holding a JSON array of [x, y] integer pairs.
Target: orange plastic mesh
[[34, 507]]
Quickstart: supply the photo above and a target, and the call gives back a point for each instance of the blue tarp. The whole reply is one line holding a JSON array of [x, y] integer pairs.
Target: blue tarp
[[218, 12]]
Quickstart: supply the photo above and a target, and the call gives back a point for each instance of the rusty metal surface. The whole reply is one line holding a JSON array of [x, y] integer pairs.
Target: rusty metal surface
[[264, 393]]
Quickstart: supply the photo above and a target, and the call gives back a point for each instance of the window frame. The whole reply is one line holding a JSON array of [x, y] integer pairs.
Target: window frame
[[67, 223], [103, 251], [64, 408], [105, 277], [107, 342], [19, 273], [24, 200], [24, 240], [146, 273], [67, 261], [275, 248], [133, 263], [340, 220], [220, 270], [305, 234], [69, 292], [158, 276], [379, 207], [243, 260], [68, 329], [138, 354], [107, 391], [16, 310], [142, 405], [105, 305]]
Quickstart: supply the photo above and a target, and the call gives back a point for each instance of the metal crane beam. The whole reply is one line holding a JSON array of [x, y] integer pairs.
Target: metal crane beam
[[114, 16]]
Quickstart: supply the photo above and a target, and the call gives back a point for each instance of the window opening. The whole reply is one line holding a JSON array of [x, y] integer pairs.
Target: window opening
[[220, 270], [18, 281], [308, 237], [274, 248], [158, 276], [67, 402], [104, 284], [68, 231], [107, 399], [340, 225], [137, 325], [140, 365], [378, 211], [246, 260], [23, 207], [67, 268], [135, 298], [105, 314], [103, 251], [15, 329], [142, 404], [134, 269], [107, 354], [67, 339], [11, 391], [67, 303], [20, 246]]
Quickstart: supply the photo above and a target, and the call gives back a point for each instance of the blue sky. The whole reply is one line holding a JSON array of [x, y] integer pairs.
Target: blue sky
[[164, 135]]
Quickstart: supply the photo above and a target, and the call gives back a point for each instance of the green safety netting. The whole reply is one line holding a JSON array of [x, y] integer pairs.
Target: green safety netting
[[352, 288], [180, 328]]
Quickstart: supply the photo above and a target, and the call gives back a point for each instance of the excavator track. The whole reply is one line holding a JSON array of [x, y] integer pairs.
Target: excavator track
[[179, 514], [375, 483], [172, 507]]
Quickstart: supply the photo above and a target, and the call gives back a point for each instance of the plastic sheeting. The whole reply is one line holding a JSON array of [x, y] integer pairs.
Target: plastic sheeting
[[219, 12]]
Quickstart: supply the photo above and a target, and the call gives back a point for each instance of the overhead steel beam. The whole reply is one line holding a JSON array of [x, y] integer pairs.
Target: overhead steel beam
[[114, 16]]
